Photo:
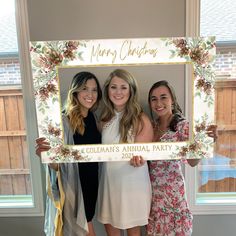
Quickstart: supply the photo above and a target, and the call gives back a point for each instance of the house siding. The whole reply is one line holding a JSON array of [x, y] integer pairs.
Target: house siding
[[10, 72]]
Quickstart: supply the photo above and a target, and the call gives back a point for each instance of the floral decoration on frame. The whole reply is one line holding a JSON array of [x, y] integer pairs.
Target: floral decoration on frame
[[47, 56]]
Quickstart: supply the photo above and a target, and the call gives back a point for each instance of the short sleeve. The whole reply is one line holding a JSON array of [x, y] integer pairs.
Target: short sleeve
[[182, 129]]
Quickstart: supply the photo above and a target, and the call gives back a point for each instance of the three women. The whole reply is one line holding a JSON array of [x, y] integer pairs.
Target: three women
[[124, 197]]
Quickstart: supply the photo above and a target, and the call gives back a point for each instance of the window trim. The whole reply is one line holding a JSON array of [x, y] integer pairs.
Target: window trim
[[8, 55], [30, 113], [225, 47], [193, 29]]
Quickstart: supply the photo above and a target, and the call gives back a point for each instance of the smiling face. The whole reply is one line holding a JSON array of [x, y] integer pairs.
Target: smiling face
[[87, 95], [118, 92], [161, 102]]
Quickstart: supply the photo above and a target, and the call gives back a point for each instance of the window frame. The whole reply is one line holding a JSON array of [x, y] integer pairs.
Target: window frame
[[37, 209], [193, 29]]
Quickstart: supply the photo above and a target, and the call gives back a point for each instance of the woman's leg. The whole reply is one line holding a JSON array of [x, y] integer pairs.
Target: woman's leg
[[135, 231], [91, 229], [112, 231]]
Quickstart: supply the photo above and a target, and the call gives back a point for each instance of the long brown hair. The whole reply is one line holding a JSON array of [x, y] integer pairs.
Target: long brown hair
[[131, 118], [73, 106]]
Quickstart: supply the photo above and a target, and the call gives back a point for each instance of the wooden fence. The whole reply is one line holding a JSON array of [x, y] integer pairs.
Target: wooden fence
[[14, 164], [225, 148]]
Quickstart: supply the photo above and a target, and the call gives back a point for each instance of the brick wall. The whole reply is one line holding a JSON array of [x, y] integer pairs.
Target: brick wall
[[10, 68], [10, 72], [226, 64]]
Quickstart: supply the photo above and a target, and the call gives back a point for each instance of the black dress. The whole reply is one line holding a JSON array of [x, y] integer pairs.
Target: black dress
[[88, 172]]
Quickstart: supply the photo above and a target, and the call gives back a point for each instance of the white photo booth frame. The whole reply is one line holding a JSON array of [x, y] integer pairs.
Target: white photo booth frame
[[48, 56]]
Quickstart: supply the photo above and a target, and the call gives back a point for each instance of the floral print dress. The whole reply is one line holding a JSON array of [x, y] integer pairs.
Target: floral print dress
[[170, 214]]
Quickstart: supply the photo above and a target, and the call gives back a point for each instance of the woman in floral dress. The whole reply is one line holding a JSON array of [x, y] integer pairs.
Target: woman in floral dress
[[170, 214]]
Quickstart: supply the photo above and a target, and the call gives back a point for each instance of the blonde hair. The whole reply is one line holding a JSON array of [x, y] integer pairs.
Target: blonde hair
[[73, 107], [131, 118]]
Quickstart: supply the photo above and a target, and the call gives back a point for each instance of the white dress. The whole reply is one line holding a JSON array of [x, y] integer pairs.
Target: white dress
[[124, 195]]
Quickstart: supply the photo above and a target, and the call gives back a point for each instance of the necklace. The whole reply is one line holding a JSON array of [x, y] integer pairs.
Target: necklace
[[161, 131]]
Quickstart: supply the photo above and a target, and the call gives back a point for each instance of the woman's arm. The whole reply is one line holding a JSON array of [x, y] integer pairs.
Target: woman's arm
[[42, 146], [145, 135], [182, 129], [193, 162], [211, 131], [145, 132]]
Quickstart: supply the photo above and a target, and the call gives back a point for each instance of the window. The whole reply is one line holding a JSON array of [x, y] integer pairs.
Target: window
[[215, 179], [20, 177], [218, 18]]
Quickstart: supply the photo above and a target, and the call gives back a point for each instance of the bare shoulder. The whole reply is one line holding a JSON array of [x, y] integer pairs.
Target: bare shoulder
[[146, 121], [144, 116], [145, 133]]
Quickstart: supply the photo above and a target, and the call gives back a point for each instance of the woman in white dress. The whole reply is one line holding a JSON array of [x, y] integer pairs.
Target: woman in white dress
[[124, 196]]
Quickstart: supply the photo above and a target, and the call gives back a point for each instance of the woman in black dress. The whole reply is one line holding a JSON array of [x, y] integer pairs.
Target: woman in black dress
[[79, 127]]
